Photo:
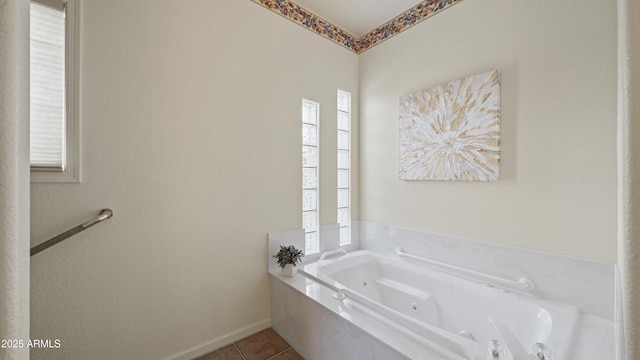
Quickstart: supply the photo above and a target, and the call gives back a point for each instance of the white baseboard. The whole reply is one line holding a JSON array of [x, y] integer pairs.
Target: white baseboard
[[217, 343]]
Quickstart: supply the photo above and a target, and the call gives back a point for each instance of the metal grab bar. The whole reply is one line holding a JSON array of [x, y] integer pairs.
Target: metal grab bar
[[326, 254], [522, 283], [435, 334], [104, 215]]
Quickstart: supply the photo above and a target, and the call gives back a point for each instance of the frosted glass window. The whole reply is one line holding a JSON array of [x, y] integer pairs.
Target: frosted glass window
[[309, 135], [343, 217], [344, 166], [309, 156], [310, 220], [345, 233], [343, 140], [309, 200], [344, 102], [310, 162], [343, 179], [47, 97], [343, 121], [309, 178], [343, 159], [311, 241], [343, 198], [309, 113]]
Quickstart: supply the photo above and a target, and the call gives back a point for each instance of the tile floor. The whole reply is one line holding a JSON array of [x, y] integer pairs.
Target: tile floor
[[264, 345]]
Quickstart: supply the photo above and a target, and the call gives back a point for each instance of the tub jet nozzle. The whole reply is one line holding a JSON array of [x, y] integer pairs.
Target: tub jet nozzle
[[496, 350]]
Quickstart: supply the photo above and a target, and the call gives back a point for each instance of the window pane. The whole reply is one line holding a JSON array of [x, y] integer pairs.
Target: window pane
[[309, 156], [309, 178], [309, 200], [343, 101], [311, 243], [343, 217], [343, 198], [345, 235], [310, 220], [343, 179], [343, 140], [343, 121], [309, 134], [309, 113], [47, 93], [343, 159]]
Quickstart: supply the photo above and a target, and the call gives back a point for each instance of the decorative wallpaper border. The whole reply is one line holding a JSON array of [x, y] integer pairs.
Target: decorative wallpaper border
[[312, 22], [402, 22]]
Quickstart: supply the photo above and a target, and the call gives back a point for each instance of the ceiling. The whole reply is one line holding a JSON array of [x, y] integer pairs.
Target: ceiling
[[357, 17]]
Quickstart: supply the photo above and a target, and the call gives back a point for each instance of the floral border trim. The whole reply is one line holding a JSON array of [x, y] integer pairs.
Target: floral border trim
[[312, 22], [309, 20], [402, 22]]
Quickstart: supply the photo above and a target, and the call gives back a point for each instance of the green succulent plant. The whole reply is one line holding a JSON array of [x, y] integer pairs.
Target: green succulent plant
[[288, 255]]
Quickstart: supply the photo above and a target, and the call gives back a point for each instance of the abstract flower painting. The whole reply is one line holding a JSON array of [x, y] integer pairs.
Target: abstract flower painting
[[451, 132]]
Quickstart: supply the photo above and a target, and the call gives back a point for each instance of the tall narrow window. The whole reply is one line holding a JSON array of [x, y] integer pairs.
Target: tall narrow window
[[310, 221], [53, 62], [344, 166]]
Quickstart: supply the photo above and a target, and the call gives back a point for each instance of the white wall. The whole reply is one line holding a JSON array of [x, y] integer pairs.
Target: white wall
[[191, 134], [558, 69]]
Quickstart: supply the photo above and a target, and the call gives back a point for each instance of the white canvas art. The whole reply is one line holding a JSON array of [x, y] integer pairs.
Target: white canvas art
[[451, 132]]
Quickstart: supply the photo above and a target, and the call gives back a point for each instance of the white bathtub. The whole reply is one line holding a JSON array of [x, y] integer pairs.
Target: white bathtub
[[457, 317]]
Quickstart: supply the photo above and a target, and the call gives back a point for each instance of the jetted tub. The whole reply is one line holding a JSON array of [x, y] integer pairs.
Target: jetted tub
[[461, 317]]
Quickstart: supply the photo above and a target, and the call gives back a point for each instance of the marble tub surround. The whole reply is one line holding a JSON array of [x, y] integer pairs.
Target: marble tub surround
[[588, 286], [306, 315]]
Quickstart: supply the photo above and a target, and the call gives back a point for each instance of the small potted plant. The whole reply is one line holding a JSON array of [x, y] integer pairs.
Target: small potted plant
[[288, 257]]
